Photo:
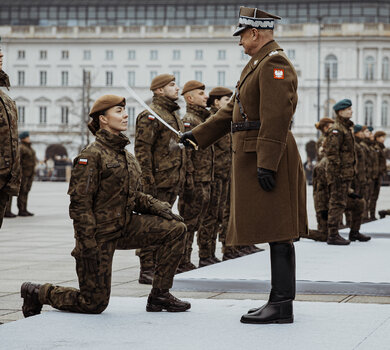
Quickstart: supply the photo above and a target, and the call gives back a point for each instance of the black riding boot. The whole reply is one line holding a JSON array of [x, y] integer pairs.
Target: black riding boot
[[279, 308]]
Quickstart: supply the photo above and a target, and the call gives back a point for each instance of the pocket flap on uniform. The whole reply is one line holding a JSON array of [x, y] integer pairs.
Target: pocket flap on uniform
[[113, 165], [250, 144]]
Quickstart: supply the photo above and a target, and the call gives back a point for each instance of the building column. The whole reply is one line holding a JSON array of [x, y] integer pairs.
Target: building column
[[379, 67], [378, 114]]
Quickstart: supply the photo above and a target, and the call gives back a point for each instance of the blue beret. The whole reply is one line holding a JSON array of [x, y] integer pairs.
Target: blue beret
[[24, 134], [370, 128], [357, 128], [343, 104]]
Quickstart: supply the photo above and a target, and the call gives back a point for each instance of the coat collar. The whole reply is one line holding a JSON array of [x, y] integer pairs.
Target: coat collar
[[117, 142], [165, 103], [199, 111]]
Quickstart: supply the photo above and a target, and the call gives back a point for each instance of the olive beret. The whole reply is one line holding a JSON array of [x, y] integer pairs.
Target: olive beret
[[24, 134], [379, 134], [192, 85], [105, 102], [343, 104], [357, 128], [161, 80], [220, 91]]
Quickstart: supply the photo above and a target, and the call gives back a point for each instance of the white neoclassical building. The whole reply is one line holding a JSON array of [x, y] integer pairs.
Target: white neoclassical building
[[46, 60]]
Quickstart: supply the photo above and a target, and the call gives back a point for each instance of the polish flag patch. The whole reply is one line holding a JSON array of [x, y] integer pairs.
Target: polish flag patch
[[83, 161], [278, 73], [150, 117], [187, 125]]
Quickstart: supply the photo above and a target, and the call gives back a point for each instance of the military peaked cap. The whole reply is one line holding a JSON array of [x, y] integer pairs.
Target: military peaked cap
[[343, 104], [161, 80], [24, 134], [105, 102], [192, 85], [254, 18]]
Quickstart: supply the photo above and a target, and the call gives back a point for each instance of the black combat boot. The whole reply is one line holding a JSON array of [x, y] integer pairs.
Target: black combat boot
[[146, 275], [205, 262], [23, 213], [161, 299], [335, 239], [231, 253], [316, 235], [215, 259], [185, 267], [382, 214], [31, 304], [357, 236], [255, 249], [9, 214], [29, 213], [279, 308]]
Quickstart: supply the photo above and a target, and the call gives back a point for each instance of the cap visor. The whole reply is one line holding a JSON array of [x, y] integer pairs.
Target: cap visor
[[239, 30]]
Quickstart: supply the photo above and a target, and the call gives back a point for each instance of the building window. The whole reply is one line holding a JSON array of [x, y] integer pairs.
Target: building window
[[176, 55], [368, 113], [109, 55], [42, 78], [87, 55], [198, 75], [221, 55], [21, 114], [385, 114], [131, 55], [331, 67], [64, 78], [43, 54], [385, 68], [221, 78], [64, 54], [244, 56], [131, 78], [199, 55], [291, 54], [153, 55], [369, 68], [42, 115], [131, 119], [21, 55], [65, 115], [109, 78], [176, 73], [21, 77], [153, 74]]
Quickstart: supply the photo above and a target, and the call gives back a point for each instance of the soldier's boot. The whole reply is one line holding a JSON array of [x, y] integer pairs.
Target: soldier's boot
[[215, 259], [335, 239], [315, 235], [29, 213], [279, 308], [9, 214], [208, 261], [357, 236], [185, 266], [255, 249], [244, 249], [23, 213], [31, 304], [231, 253], [372, 215], [382, 214], [161, 299]]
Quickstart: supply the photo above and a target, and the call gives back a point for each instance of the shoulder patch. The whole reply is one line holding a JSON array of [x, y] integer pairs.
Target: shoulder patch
[[187, 125], [273, 53], [151, 117], [335, 131], [278, 73], [83, 161]]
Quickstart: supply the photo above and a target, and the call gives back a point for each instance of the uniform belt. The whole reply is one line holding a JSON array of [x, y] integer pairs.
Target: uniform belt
[[247, 125]]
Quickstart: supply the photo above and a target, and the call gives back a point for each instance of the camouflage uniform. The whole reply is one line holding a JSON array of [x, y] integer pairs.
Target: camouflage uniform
[[27, 163], [162, 161], [194, 201], [208, 231], [379, 171], [9, 151], [319, 147], [369, 170], [109, 212]]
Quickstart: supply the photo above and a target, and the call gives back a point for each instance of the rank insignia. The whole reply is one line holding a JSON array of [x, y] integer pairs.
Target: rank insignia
[[151, 117], [187, 125], [278, 73], [83, 161]]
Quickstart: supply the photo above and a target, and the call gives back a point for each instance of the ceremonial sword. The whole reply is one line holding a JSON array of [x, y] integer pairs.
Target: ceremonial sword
[[154, 114]]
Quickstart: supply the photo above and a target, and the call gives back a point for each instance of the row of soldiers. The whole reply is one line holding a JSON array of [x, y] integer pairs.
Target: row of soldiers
[[347, 177], [201, 179]]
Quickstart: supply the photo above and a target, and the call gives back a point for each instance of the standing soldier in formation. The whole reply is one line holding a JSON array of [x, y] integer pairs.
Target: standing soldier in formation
[[194, 201], [162, 161], [375, 175], [9, 152], [110, 212], [323, 126], [365, 143], [267, 171]]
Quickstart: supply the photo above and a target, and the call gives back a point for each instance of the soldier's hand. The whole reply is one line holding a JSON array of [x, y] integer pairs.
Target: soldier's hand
[[324, 215], [164, 210], [266, 179], [188, 140]]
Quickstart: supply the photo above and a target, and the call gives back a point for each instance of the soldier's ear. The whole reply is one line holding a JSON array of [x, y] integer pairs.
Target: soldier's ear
[[103, 119]]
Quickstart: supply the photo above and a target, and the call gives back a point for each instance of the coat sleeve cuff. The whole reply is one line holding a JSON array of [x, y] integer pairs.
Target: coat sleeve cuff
[[269, 153]]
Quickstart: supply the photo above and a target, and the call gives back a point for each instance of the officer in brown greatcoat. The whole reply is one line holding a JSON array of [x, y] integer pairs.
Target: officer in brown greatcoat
[[110, 212], [9, 151], [267, 172], [162, 161]]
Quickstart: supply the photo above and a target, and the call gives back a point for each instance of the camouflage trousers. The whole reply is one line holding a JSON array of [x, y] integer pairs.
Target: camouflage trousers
[[339, 202], [367, 197], [146, 255], [376, 186], [3, 205], [224, 213], [322, 224], [94, 293], [25, 188], [193, 205]]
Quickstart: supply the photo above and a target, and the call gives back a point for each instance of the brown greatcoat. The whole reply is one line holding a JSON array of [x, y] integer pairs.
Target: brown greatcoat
[[257, 216]]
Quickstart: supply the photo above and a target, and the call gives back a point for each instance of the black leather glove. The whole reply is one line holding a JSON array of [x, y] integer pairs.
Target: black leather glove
[[266, 179], [324, 214], [186, 138], [354, 195]]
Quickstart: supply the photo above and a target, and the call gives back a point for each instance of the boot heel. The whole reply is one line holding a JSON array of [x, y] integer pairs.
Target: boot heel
[[153, 308], [286, 320]]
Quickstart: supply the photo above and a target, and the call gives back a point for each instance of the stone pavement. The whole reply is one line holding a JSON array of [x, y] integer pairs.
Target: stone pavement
[[38, 249]]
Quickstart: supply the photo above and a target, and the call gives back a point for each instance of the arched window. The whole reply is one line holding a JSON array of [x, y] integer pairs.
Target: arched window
[[385, 68], [331, 67], [368, 113], [369, 68], [385, 113]]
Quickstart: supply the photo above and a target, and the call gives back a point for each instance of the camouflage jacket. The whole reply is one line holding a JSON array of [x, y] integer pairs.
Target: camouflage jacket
[[320, 186], [319, 147], [360, 179], [369, 161], [200, 163], [104, 190], [162, 160], [374, 154], [27, 158], [339, 148], [9, 151], [382, 157], [222, 154]]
